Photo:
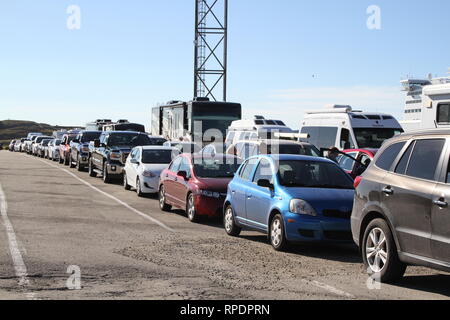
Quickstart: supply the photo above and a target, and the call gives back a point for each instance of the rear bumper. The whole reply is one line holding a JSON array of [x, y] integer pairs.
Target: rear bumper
[[83, 159], [211, 207], [115, 169], [150, 185]]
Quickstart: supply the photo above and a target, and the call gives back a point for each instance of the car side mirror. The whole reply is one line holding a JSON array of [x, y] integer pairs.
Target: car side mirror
[[264, 183], [97, 143], [182, 174]]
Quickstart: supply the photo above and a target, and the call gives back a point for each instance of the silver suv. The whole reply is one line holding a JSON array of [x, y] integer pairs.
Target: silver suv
[[401, 214]]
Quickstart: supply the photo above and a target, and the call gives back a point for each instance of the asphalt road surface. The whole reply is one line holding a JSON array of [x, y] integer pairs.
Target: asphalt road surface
[[57, 223]]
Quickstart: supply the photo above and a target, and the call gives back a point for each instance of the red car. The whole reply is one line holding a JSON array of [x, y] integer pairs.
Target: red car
[[197, 184], [64, 147], [356, 168]]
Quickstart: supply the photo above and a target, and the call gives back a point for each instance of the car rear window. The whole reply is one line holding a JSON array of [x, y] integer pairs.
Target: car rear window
[[389, 155]]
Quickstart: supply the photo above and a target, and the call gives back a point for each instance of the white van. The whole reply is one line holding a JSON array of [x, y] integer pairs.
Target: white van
[[254, 129], [345, 128]]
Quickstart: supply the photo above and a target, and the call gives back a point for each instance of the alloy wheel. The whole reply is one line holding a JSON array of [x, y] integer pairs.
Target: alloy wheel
[[229, 222], [276, 232], [376, 250]]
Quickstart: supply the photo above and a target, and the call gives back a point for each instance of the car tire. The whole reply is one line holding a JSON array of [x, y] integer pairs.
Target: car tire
[[277, 234], [66, 160], [71, 165], [190, 209], [162, 200], [380, 256], [229, 223], [92, 173], [78, 164], [139, 192], [126, 186], [106, 176]]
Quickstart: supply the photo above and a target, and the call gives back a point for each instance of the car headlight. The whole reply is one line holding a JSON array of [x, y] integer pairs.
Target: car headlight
[[301, 207], [209, 194], [149, 174], [115, 156]]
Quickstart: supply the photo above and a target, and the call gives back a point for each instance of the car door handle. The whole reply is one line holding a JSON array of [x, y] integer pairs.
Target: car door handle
[[441, 203], [249, 196], [388, 191]]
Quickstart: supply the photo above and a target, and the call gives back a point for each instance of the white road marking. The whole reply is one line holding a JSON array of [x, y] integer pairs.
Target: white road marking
[[146, 216], [331, 289], [19, 264]]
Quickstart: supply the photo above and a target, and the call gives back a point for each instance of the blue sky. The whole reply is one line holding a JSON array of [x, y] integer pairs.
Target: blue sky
[[284, 56]]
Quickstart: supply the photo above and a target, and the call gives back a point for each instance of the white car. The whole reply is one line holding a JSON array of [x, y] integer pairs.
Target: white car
[[144, 166], [53, 149]]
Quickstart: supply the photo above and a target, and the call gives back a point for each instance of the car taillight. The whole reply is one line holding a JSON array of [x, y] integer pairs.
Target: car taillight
[[357, 182]]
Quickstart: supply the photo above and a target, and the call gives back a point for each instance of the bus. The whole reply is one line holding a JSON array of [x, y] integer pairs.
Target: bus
[[189, 121]]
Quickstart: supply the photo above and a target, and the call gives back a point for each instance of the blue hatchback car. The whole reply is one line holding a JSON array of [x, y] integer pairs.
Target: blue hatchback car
[[291, 198]]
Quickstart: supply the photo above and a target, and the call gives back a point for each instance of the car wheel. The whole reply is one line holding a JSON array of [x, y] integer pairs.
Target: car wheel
[[71, 161], [277, 234], [92, 173], [125, 182], [228, 222], [380, 253], [162, 200], [106, 176], [139, 188], [66, 160], [190, 209], [78, 164]]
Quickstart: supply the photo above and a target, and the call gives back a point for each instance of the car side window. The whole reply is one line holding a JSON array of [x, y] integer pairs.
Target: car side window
[[389, 155], [403, 164], [425, 159], [347, 163], [185, 166], [248, 169], [263, 172], [176, 164]]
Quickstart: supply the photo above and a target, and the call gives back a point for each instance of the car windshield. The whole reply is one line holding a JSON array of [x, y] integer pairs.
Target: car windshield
[[57, 142], [313, 174], [46, 142], [90, 136], [296, 149], [157, 156], [215, 167], [129, 140], [374, 137]]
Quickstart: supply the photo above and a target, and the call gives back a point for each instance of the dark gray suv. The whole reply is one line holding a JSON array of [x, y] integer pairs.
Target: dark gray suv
[[401, 214]]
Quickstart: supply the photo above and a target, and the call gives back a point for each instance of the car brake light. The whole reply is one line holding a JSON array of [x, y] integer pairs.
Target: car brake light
[[357, 182]]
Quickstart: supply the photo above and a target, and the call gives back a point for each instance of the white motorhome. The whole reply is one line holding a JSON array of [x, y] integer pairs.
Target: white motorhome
[[254, 129], [344, 128], [427, 104]]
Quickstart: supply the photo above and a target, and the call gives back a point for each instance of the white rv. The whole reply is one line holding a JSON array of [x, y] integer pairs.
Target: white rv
[[344, 128], [254, 129], [427, 104]]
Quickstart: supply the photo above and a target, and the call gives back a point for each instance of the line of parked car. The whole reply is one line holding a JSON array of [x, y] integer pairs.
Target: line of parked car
[[393, 202]]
